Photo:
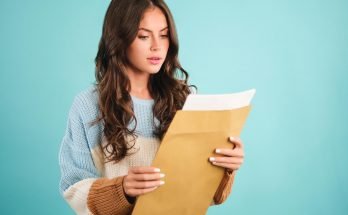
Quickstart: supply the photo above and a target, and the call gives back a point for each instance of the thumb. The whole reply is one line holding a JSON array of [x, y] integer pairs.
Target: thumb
[[236, 142]]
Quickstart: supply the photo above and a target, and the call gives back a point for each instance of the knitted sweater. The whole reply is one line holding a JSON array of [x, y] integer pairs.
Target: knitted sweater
[[88, 183]]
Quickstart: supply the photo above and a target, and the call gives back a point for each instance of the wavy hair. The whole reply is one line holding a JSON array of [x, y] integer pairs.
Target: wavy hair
[[168, 87]]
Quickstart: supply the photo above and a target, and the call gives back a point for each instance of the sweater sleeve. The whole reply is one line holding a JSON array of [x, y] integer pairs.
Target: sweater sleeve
[[224, 188], [80, 184], [107, 196]]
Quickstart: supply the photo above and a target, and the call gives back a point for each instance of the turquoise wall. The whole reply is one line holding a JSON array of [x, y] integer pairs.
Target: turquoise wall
[[295, 53]]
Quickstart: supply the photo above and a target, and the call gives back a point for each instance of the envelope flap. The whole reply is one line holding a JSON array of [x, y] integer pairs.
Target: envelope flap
[[208, 121]]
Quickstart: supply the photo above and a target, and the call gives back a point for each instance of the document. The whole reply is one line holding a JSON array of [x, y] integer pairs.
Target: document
[[219, 102], [204, 124]]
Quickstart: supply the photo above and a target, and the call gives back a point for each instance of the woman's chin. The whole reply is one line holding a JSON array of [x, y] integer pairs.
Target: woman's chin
[[154, 71]]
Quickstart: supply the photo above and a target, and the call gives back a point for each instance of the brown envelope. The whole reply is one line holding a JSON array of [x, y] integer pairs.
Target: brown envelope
[[190, 179]]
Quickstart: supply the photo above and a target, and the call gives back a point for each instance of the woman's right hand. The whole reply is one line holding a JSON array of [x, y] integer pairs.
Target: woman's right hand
[[141, 180]]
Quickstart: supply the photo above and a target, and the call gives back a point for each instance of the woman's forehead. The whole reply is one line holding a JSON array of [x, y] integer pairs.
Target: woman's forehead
[[153, 20]]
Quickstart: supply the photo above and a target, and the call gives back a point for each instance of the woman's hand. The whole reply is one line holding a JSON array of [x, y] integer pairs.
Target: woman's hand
[[141, 180], [232, 159]]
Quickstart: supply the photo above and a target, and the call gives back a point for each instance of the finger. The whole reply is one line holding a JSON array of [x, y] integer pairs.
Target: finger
[[232, 160], [238, 152], [147, 177], [236, 141], [137, 192], [228, 166], [145, 184], [144, 169]]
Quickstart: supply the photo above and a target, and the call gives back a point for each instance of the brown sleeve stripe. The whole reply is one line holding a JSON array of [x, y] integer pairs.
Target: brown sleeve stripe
[[106, 197], [224, 188]]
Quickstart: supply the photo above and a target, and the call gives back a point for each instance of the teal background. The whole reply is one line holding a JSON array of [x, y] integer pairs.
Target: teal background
[[295, 53]]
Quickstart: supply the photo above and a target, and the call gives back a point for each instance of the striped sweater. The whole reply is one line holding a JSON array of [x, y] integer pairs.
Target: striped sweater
[[88, 183]]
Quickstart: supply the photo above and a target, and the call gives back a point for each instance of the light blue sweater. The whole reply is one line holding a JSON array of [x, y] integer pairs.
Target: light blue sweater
[[81, 156], [76, 163]]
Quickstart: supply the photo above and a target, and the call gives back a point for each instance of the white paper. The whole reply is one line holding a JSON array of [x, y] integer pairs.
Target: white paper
[[219, 101]]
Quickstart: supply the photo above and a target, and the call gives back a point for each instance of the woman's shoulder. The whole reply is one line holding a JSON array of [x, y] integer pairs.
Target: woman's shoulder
[[89, 94], [86, 101]]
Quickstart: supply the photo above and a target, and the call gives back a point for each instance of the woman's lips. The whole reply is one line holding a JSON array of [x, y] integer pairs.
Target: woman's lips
[[154, 60]]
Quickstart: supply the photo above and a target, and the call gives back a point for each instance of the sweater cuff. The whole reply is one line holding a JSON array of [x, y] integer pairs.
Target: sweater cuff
[[225, 187], [106, 196]]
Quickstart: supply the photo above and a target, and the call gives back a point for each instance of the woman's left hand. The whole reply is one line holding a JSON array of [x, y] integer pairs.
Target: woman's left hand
[[231, 159]]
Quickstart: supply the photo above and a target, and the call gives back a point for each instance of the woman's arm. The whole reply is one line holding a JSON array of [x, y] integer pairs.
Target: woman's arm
[[80, 183]]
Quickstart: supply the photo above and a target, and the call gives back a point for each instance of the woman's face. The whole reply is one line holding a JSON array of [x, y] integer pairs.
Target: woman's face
[[149, 49]]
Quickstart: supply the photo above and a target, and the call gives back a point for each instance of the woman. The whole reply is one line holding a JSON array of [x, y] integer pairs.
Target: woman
[[115, 127]]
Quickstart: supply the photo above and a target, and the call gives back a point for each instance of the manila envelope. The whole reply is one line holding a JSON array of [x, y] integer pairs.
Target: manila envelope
[[190, 179]]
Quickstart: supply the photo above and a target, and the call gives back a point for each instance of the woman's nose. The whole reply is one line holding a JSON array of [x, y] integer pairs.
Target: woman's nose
[[155, 44]]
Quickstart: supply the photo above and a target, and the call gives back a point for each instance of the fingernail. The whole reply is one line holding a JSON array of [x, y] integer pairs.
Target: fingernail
[[212, 159], [217, 150], [232, 138], [157, 170], [161, 182], [162, 175]]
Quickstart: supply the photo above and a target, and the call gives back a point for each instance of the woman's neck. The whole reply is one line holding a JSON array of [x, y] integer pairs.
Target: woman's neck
[[139, 84]]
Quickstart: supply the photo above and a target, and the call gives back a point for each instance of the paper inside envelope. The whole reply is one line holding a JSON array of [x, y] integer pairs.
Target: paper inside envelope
[[220, 101]]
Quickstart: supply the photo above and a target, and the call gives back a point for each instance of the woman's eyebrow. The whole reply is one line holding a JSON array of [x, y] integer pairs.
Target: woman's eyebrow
[[148, 30]]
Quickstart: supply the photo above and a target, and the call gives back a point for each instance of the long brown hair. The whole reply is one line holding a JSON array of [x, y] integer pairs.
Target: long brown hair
[[168, 87]]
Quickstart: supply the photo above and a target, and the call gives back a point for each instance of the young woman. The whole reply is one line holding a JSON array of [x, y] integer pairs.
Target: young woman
[[115, 127]]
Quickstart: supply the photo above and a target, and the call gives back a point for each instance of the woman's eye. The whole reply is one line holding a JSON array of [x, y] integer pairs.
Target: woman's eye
[[142, 37], [145, 37]]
